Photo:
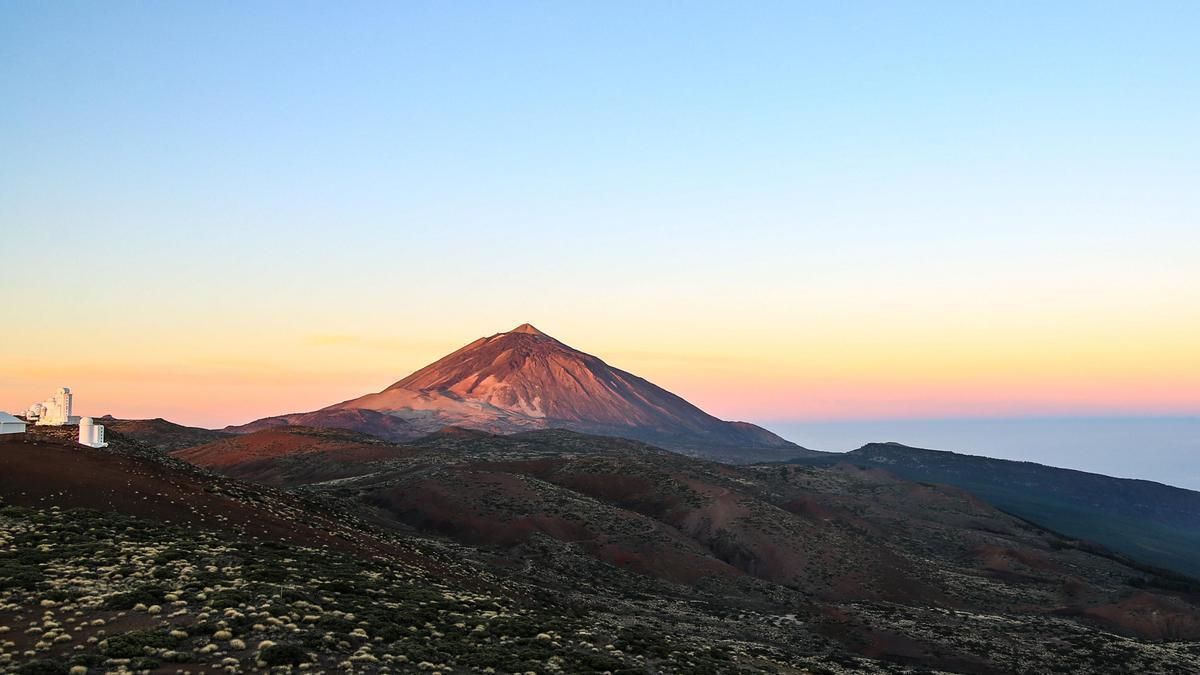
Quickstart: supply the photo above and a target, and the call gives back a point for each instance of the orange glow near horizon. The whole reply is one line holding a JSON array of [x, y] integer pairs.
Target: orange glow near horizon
[[952, 342], [734, 374]]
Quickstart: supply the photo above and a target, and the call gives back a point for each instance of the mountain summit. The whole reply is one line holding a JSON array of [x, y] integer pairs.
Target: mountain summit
[[524, 380], [528, 329]]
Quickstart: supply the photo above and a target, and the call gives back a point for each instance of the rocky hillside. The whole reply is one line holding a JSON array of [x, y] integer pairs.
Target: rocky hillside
[[121, 560], [1147, 521], [159, 433], [890, 571], [381, 425]]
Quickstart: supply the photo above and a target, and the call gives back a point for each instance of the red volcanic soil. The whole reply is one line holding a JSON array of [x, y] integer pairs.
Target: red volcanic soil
[[1007, 560], [160, 434], [388, 427], [41, 473], [478, 505], [291, 456], [726, 525], [839, 535], [890, 645], [1146, 615]]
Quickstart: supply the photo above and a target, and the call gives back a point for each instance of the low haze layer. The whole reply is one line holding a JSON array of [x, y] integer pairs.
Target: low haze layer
[[1163, 449]]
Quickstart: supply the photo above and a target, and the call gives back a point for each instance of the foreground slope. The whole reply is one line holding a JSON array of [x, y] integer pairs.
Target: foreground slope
[[525, 380], [121, 560], [1148, 521], [884, 568]]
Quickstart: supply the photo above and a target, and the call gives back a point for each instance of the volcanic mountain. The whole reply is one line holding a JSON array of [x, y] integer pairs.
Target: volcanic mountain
[[524, 380]]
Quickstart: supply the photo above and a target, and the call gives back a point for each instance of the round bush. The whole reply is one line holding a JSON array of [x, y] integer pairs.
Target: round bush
[[283, 655]]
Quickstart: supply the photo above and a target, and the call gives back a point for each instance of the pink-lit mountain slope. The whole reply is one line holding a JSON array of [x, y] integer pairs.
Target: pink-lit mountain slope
[[524, 380]]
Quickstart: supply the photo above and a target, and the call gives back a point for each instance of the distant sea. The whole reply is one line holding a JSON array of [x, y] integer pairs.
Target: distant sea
[[1162, 449]]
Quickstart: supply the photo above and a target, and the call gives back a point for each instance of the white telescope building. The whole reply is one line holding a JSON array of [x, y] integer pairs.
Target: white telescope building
[[54, 411], [91, 434]]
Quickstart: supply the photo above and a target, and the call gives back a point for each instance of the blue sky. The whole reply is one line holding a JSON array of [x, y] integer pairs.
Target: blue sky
[[292, 116]]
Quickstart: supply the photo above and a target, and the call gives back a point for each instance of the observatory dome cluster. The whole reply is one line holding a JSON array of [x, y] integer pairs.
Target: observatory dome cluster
[[55, 411]]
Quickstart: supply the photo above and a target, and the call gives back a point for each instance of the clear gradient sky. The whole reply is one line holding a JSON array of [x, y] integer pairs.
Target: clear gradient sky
[[217, 211]]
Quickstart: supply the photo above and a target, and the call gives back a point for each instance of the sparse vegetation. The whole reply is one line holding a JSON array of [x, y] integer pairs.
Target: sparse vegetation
[[618, 560]]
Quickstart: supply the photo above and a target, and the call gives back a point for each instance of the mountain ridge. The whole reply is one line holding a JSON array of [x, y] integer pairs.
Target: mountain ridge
[[523, 380], [1149, 521]]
